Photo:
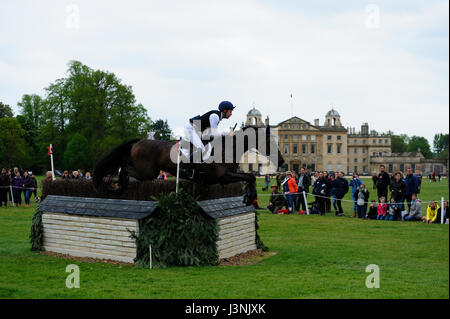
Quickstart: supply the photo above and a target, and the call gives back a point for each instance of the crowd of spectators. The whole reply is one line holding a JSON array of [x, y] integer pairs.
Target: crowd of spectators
[[392, 193], [17, 184]]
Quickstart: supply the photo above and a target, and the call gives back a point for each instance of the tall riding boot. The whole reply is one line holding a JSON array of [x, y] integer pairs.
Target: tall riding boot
[[354, 214]]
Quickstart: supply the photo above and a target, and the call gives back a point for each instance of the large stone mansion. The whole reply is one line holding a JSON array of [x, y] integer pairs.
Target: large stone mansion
[[332, 147]]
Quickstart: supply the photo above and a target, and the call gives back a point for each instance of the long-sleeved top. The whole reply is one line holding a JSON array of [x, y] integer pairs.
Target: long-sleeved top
[[340, 187], [16, 182], [416, 208], [321, 186], [398, 189], [432, 213], [382, 209], [290, 186], [372, 212], [355, 183], [412, 184], [277, 199], [361, 196], [383, 181], [4, 180], [304, 181], [26, 182]]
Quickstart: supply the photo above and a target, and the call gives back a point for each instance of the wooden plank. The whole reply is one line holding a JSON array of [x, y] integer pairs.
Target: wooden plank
[[232, 240], [236, 243], [90, 250], [90, 219], [90, 240], [239, 250], [93, 230], [88, 244], [238, 223], [235, 219], [77, 253], [86, 224], [249, 226], [89, 234]]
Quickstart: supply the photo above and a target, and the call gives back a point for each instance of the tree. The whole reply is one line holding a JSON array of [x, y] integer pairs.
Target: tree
[[77, 154], [162, 130], [12, 144], [31, 107], [398, 142], [440, 145], [417, 142], [5, 111]]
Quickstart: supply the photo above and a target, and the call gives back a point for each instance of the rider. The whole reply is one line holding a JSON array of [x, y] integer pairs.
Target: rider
[[208, 125]]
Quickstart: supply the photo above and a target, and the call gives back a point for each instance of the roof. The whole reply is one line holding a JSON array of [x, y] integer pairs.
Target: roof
[[332, 112], [99, 207], [254, 111], [224, 207]]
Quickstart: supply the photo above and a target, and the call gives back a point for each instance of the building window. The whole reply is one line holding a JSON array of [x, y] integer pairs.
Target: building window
[[286, 137], [380, 154], [303, 137], [364, 169], [402, 167], [355, 151], [364, 160], [250, 167], [313, 148], [356, 142], [329, 137], [329, 167], [338, 149], [391, 168], [364, 151], [356, 170], [386, 141], [380, 141], [313, 137], [295, 149], [374, 141], [374, 153], [295, 137], [356, 160], [286, 149], [364, 141], [413, 167], [329, 149], [303, 148], [339, 167], [339, 138]]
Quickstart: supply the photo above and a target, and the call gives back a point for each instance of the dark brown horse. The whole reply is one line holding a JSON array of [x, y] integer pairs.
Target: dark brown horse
[[144, 159]]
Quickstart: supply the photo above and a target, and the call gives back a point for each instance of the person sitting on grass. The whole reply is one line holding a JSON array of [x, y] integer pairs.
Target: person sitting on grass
[[415, 210], [432, 213], [393, 210], [372, 214], [276, 200], [382, 208]]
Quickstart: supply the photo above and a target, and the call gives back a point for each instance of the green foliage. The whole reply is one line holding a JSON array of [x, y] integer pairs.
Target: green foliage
[[31, 108], [440, 145], [398, 145], [162, 130], [5, 110], [12, 143], [179, 233], [37, 232], [417, 142], [77, 153]]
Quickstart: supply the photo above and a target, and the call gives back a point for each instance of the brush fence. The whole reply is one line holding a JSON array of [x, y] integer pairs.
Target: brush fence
[[100, 228]]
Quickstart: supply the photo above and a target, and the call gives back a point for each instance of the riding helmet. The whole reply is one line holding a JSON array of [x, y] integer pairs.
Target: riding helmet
[[225, 105]]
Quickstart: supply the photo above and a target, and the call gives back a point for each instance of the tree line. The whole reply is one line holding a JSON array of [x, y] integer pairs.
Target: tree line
[[83, 115]]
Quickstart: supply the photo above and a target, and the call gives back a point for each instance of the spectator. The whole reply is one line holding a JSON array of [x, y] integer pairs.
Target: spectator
[[393, 210], [419, 178], [328, 180], [383, 182], [75, 175], [26, 183], [362, 197], [34, 188], [355, 182], [49, 176], [444, 212], [80, 173], [17, 190], [412, 187], [88, 176], [398, 189], [336, 209], [279, 179], [304, 181], [415, 210], [432, 213], [267, 181], [276, 200], [290, 188], [374, 180], [162, 176], [340, 185], [4, 186], [372, 214], [10, 191], [382, 208], [65, 175], [320, 189]]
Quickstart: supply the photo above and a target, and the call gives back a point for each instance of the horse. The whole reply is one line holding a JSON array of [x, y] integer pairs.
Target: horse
[[143, 159]]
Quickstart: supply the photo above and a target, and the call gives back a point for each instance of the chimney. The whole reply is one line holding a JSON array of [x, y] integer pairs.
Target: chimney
[[267, 121], [316, 122]]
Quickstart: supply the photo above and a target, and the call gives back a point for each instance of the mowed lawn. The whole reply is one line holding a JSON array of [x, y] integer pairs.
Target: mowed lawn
[[316, 257]]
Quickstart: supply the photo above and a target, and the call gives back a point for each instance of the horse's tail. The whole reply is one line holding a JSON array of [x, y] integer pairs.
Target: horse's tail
[[117, 159]]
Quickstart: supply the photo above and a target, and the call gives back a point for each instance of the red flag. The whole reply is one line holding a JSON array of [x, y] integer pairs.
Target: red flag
[[50, 150]]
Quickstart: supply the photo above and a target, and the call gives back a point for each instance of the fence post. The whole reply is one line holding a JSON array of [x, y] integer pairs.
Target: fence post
[[150, 251], [442, 210], [306, 202], [12, 195]]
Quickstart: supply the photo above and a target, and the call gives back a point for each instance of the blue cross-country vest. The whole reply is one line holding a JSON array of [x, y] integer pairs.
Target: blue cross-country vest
[[204, 119]]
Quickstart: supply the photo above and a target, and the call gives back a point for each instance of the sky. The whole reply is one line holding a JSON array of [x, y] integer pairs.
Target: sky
[[381, 62]]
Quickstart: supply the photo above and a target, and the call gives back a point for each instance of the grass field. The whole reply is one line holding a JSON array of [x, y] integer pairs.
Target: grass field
[[317, 257]]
